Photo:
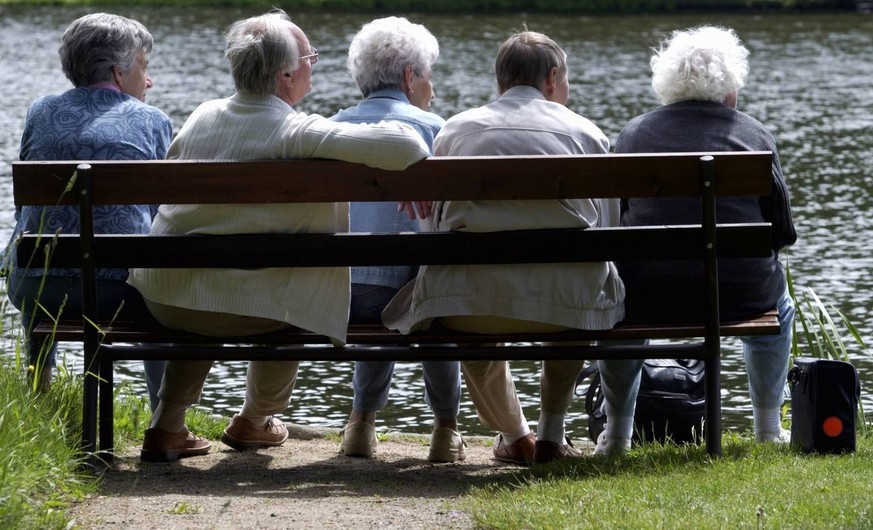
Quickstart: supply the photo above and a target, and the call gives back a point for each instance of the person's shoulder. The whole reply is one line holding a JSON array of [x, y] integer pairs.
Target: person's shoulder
[[572, 116], [468, 116], [752, 121], [132, 109], [573, 122], [648, 119], [653, 114], [634, 131], [210, 106], [425, 116], [347, 114], [52, 100], [149, 109], [45, 100]]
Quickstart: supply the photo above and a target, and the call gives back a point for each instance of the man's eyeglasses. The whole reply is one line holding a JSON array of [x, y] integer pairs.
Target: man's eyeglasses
[[313, 57]]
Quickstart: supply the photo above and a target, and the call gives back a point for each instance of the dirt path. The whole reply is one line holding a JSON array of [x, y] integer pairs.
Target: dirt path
[[304, 484]]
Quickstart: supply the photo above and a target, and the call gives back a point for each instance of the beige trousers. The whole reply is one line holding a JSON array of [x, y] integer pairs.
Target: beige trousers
[[491, 385], [268, 383]]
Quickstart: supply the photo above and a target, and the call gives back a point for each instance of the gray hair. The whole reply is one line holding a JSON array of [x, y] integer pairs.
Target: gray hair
[[93, 44], [526, 59], [705, 63], [381, 51], [258, 48]]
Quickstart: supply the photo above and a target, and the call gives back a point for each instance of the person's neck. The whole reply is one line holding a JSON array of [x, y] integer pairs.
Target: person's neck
[[108, 85]]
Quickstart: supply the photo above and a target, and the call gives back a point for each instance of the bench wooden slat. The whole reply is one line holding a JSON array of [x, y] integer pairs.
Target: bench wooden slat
[[374, 334], [308, 250], [442, 178]]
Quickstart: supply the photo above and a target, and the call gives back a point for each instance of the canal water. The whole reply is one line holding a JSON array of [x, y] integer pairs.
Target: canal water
[[811, 83]]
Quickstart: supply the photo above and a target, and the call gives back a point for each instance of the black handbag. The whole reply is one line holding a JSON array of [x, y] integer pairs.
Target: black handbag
[[824, 405], [670, 405]]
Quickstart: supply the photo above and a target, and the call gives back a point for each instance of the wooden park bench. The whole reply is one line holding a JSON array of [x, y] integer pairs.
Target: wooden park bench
[[703, 175]]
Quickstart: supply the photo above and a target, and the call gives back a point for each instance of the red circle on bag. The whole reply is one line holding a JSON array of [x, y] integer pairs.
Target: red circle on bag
[[832, 426]]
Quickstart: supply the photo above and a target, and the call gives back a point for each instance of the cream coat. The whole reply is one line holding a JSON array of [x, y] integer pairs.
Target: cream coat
[[576, 295], [316, 299]]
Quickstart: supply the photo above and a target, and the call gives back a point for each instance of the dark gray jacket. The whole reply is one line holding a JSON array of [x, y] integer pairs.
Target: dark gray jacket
[[658, 290]]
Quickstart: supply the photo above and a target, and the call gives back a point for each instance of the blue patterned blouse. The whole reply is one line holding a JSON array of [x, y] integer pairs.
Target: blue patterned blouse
[[90, 124]]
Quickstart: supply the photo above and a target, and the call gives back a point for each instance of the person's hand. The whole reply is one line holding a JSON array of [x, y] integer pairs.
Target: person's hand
[[422, 208]]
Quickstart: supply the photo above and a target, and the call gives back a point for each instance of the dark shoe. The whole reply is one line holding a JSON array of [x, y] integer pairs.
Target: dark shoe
[[521, 452], [545, 452], [242, 435], [163, 446]]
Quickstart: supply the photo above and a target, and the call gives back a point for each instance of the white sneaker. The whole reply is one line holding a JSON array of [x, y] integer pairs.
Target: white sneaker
[[782, 437], [611, 446], [359, 439], [446, 445]]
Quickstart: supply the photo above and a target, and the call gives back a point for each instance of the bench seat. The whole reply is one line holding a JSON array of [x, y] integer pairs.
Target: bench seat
[[375, 334]]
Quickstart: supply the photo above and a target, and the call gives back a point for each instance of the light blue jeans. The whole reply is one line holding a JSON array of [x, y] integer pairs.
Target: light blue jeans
[[372, 379], [766, 358]]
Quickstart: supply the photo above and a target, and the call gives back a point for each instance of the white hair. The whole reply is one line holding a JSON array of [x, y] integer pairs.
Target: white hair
[[704, 63], [258, 48], [381, 51]]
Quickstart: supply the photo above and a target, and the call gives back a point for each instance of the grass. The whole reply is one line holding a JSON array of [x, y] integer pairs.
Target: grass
[[667, 486], [656, 486], [40, 465]]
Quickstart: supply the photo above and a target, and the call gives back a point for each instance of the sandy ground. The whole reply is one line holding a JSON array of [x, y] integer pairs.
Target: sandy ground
[[306, 483]]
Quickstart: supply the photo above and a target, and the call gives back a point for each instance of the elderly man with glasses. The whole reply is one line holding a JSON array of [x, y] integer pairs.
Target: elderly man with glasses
[[271, 63]]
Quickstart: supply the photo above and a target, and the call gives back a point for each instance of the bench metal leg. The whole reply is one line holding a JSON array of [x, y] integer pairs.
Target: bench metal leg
[[712, 380]]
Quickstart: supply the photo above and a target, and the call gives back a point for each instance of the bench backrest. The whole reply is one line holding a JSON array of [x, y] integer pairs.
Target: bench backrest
[[450, 178]]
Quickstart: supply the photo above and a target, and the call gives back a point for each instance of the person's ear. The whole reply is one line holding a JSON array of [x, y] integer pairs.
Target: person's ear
[[117, 77], [408, 79], [551, 83]]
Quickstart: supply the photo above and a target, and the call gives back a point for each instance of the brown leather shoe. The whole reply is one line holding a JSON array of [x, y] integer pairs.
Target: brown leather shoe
[[242, 435], [521, 452], [545, 452], [163, 446]]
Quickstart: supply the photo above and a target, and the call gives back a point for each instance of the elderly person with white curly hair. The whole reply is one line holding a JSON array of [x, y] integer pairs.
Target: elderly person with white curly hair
[[697, 74], [391, 60], [271, 62]]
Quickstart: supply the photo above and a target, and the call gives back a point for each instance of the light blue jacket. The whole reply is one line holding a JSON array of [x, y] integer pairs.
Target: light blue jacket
[[387, 105]]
